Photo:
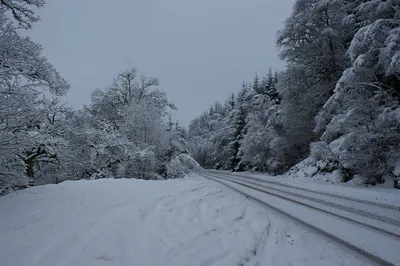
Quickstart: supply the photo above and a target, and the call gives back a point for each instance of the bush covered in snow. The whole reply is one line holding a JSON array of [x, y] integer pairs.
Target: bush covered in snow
[[310, 168], [182, 165]]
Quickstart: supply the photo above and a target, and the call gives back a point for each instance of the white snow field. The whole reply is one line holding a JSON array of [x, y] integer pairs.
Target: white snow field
[[190, 221]]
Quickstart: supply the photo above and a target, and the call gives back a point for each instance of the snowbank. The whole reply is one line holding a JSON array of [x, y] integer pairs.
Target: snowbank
[[311, 169], [328, 171]]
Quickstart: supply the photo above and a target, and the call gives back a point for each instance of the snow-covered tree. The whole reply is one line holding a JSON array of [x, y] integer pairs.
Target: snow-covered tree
[[339, 95], [22, 10], [138, 111], [238, 124], [24, 75], [359, 121], [313, 43], [263, 129]]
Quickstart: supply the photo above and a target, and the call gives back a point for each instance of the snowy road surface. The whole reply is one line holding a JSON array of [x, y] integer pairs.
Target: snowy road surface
[[370, 228], [191, 221]]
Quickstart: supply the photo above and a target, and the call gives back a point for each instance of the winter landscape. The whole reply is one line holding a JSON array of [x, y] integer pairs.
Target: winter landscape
[[298, 165]]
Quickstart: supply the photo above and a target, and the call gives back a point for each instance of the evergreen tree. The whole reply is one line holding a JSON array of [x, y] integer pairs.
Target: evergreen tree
[[237, 135], [238, 126], [232, 101], [256, 84], [270, 89], [211, 111], [339, 96]]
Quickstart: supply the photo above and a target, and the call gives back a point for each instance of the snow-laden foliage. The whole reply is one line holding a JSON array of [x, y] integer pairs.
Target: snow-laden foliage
[[181, 165], [125, 132], [359, 120], [23, 66], [28, 133], [210, 136], [22, 10], [263, 127], [138, 111], [240, 135], [44, 142], [335, 106]]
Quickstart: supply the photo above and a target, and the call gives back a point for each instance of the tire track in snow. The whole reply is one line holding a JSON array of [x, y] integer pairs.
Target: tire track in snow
[[298, 198], [382, 205], [356, 249]]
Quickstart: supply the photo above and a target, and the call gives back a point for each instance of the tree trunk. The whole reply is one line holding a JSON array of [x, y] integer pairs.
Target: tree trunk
[[30, 172]]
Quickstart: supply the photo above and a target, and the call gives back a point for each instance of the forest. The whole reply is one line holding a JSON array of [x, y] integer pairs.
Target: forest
[[126, 130], [300, 165], [334, 106]]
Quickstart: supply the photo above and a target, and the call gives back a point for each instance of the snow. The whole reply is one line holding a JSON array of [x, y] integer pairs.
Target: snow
[[326, 184], [182, 165], [365, 213], [351, 233], [308, 169], [190, 221]]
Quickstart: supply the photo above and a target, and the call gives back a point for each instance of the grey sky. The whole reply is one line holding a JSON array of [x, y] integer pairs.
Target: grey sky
[[200, 50]]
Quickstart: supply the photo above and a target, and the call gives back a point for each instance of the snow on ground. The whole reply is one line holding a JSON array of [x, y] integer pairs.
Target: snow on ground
[[378, 194], [307, 170], [190, 221], [383, 246]]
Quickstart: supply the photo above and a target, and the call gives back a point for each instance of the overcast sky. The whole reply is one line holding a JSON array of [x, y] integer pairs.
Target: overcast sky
[[200, 50]]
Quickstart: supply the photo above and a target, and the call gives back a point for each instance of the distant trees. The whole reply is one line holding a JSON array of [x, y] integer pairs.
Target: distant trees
[[339, 95], [237, 136]]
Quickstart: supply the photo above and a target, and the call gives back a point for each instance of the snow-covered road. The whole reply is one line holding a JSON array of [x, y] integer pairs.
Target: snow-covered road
[[370, 228], [190, 221]]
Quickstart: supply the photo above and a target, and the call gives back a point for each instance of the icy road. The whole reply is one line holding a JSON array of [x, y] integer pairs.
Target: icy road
[[190, 221]]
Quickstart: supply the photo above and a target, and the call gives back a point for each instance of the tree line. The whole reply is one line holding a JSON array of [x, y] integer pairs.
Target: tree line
[[126, 131], [335, 105]]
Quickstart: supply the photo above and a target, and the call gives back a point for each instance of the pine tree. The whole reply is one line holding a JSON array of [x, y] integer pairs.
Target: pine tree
[[238, 127], [231, 101], [272, 92], [264, 85], [256, 84], [211, 111], [218, 107], [275, 78]]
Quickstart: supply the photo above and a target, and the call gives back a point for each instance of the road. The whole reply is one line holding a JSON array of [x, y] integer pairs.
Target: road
[[368, 228]]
